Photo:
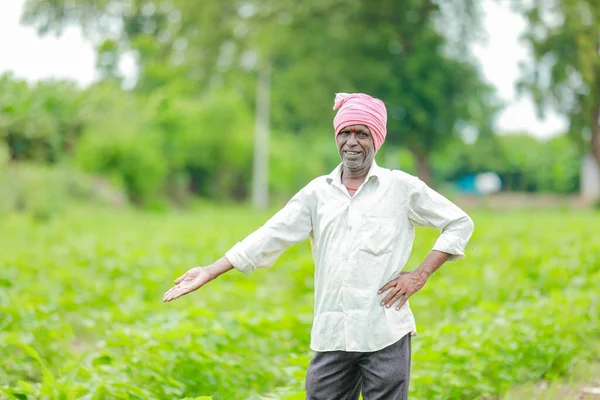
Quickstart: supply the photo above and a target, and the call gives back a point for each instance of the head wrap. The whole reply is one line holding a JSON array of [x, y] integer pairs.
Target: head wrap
[[361, 109]]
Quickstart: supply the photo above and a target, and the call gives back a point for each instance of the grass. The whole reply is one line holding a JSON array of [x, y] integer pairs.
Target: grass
[[81, 316]]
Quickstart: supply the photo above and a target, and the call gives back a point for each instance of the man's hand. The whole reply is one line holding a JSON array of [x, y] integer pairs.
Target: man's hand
[[197, 277], [408, 283], [192, 280]]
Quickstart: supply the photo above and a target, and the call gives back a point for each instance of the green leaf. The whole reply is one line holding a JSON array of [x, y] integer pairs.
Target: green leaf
[[49, 384]]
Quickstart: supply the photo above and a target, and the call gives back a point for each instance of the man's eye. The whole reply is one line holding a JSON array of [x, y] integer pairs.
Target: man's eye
[[362, 135]]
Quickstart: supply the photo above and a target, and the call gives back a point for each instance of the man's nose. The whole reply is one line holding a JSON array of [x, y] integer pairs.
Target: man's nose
[[352, 140]]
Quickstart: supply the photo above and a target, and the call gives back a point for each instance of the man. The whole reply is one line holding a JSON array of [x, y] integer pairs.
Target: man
[[361, 222]]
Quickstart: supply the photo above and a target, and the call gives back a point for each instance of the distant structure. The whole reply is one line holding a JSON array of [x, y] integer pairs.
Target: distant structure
[[484, 183], [488, 183], [590, 178]]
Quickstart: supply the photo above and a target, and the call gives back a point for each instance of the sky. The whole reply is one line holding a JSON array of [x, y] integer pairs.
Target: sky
[[71, 56]]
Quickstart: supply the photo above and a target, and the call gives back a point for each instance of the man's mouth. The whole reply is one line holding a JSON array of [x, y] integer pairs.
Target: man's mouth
[[352, 153]]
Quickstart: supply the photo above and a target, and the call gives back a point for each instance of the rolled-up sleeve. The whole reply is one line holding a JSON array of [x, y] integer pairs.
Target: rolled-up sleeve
[[291, 225], [429, 208]]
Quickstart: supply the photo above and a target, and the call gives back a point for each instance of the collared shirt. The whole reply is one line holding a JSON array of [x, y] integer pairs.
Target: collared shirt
[[359, 243]]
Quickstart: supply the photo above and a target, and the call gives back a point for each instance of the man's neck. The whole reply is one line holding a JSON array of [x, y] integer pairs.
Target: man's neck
[[354, 177]]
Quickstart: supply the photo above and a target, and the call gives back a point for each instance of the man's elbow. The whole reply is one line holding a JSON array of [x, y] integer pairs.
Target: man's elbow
[[469, 225]]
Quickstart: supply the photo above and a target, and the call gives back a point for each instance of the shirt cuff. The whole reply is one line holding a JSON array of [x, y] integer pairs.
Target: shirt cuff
[[451, 244], [239, 260]]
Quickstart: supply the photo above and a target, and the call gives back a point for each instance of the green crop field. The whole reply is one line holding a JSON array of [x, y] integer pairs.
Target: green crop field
[[81, 313]]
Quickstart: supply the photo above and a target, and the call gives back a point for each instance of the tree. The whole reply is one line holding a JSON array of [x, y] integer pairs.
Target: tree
[[392, 49], [42, 121], [564, 36]]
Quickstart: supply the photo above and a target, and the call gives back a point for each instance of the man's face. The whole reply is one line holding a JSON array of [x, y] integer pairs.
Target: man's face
[[356, 147]]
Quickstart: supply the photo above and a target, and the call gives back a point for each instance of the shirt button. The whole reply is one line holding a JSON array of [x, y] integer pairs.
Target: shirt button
[[346, 257]]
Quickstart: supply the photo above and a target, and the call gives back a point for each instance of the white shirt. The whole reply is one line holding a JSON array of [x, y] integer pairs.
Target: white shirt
[[358, 244]]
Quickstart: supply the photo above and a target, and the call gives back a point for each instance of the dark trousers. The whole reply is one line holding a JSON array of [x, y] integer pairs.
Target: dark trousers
[[341, 375]]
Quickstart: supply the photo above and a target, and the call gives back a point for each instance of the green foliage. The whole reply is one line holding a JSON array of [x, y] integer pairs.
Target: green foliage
[[404, 61], [523, 162], [163, 146], [44, 191], [397, 52], [565, 72], [210, 139], [107, 62], [40, 122], [130, 157], [296, 160], [404, 160], [552, 166], [186, 127], [80, 312], [120, 143]]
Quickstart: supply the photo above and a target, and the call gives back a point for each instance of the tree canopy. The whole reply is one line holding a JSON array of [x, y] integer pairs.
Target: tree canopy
[[406, 53], [564, 36]]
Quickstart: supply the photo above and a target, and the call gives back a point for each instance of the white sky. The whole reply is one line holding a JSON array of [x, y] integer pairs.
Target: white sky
[[71, 56]]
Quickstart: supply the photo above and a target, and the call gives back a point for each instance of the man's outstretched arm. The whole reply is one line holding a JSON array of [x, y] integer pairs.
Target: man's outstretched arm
[[260, 249], [197, 277]]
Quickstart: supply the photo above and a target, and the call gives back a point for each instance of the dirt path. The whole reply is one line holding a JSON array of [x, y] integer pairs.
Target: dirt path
[[515, 201], [584, 386]]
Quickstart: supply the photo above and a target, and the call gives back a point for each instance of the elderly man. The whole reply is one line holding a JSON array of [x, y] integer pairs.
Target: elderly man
[[361, 222]]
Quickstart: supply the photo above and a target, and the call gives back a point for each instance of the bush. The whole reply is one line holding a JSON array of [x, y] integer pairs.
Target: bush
[[297, 160], [40, 122], [523, 162], [121, 144], [131, 159], [208, 140], [44, 191]]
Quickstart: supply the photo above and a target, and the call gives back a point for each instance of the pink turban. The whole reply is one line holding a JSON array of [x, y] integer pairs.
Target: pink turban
[[361, 109]]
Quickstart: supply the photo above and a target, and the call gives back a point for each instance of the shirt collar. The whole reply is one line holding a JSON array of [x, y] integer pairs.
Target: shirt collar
[[336, 175]]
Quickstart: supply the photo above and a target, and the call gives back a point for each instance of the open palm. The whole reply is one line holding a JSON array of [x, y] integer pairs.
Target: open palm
[[188, 282]]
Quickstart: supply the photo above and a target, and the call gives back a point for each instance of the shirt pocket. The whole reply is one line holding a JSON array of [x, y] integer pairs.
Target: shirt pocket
[[377, 235]]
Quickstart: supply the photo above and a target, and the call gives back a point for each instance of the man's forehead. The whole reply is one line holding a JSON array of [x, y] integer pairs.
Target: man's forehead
[[356, 128]]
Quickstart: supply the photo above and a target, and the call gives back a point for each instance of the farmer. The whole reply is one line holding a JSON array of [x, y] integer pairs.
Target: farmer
[[361, 222]]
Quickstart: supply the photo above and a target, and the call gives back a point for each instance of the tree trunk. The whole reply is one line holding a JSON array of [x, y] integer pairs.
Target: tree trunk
[[596, 134], [392, 158], [423, 168], [260, 181]]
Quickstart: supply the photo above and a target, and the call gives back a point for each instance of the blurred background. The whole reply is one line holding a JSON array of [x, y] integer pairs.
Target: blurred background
[[153, 134], [155, 103]]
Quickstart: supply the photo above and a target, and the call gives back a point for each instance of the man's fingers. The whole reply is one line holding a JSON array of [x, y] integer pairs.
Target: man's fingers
[[394, 298], [404, 300], [168, 293], [387, 286], [180, 279], [173, 294], [176, 294], [392, 293], [178, 291]]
